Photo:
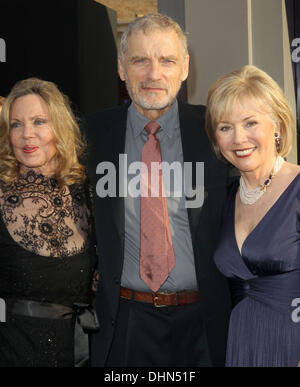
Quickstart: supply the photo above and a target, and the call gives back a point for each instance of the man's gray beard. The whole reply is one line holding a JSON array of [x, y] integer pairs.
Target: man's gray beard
[[147, 106]]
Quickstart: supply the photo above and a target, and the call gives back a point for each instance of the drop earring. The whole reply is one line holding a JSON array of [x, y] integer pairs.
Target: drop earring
[[277, 141]]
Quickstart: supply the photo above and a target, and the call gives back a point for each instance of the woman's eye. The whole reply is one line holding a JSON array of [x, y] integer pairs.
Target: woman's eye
[[14, 125], [251, 123], [224, 128], [39, 121]]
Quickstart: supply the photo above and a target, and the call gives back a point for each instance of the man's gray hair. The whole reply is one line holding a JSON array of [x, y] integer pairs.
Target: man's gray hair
[[150, 22]]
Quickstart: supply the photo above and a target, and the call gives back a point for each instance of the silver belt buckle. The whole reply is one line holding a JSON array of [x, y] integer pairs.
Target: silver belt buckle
[[155, 299]]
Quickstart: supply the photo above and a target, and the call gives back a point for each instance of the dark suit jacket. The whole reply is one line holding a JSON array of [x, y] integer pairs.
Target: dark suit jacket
[[106, 140]]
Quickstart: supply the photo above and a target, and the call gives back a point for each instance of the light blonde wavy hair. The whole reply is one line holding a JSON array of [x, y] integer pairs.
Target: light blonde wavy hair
[[67, 136], [249, 82], [2, 99]]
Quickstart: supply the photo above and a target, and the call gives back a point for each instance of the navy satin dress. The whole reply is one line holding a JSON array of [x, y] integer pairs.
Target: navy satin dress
[[265, 282]]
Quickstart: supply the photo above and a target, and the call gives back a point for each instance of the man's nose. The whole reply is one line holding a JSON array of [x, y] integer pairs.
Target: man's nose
[[154, 70]]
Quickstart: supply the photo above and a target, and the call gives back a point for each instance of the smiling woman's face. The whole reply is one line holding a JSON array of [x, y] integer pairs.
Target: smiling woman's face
[[247, 138], [31, 134]]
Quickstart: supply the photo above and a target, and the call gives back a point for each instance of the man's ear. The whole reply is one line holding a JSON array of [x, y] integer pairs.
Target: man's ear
[[121, 69], [185, 68]]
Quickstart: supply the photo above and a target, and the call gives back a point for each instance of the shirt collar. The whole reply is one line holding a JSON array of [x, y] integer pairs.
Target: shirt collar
[[168, 122]]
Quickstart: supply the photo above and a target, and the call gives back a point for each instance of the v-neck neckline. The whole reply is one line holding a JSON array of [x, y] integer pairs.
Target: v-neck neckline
[[240, 252]]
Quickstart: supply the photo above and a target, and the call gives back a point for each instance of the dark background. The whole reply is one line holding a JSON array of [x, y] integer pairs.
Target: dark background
[[69, 42]]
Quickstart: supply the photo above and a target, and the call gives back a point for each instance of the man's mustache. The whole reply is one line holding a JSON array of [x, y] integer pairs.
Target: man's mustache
[[153, 85]]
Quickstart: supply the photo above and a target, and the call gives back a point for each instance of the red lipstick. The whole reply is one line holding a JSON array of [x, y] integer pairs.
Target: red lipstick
[[30, 148]]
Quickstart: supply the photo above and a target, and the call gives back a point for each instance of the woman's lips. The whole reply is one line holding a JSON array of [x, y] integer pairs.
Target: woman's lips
[[30, 149], [244, 152]]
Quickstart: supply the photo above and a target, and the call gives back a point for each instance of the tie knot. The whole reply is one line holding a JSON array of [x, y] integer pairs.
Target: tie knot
[[152, 127]]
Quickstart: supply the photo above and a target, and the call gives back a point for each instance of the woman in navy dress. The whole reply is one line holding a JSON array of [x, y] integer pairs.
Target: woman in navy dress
[[251, 126]]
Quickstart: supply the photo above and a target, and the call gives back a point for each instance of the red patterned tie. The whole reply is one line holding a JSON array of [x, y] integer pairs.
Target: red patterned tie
[[156, 250]]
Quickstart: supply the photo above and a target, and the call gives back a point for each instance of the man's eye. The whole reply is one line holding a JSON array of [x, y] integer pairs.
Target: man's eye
[[142, 60], [168, 61]]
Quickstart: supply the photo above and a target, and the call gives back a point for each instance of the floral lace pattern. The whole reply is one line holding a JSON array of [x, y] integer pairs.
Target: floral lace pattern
[[44, 218], [39, 221]]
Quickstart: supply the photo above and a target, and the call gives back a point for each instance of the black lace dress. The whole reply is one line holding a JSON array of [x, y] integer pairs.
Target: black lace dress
[[47, 255]]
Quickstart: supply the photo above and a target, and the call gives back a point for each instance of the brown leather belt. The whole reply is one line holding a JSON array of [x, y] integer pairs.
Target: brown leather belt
[[161, 299]]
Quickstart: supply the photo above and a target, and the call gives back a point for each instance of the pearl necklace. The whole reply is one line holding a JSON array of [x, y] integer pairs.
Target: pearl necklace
[[250, 196]]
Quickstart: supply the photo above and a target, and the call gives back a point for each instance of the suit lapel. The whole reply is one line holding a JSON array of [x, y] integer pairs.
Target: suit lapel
[[193, 151], [116, 146]]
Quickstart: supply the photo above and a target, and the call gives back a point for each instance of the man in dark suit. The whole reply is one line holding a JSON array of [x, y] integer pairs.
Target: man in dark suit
[[180, 318]]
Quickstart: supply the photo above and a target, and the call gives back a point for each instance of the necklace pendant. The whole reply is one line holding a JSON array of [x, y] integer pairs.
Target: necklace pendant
[[250, 196], [263, 187], [267, 182]]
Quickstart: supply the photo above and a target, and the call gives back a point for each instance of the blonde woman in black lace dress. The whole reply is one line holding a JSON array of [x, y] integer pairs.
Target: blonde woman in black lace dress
[[47, 253]]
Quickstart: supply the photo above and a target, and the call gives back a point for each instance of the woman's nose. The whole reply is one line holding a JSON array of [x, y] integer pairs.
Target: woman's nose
[[240, 135], [28, 130]]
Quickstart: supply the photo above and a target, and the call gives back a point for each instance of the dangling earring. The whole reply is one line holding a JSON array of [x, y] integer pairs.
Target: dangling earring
[[277, 142]]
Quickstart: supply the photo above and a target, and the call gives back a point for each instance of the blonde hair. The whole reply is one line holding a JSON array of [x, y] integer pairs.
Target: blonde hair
[[148, 23], [249, 82], [2, 99], [69, 143]]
